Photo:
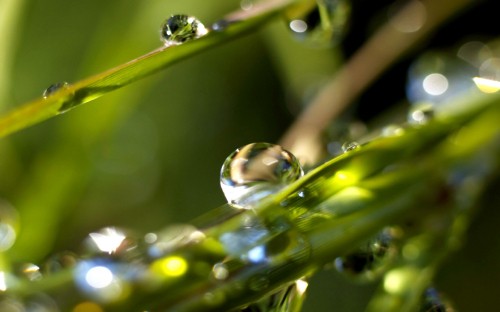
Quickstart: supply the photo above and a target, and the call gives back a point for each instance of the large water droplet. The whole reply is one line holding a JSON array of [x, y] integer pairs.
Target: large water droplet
[[369, 261], [322, 25], [181, 28], [53, 88], [257, 170], [8, 225]]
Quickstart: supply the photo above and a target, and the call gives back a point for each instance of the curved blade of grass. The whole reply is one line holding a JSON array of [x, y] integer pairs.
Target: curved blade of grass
[[233, 26]]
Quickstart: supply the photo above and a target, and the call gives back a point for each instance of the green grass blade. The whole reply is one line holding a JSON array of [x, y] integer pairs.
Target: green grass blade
[[235, 25]]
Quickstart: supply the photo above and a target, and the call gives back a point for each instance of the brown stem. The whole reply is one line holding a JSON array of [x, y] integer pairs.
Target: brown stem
[[386, 46]]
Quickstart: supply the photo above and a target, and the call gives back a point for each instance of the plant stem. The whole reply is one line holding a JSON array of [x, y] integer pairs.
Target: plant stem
[[384, 48]]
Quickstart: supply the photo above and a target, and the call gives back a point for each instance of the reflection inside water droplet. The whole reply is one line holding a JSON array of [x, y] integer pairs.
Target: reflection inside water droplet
[[181, 28], [54, 88], [257, 170]]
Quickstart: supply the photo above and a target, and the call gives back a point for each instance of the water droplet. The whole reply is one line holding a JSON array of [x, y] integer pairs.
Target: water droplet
[[350, 146], [246, 5], [105, 280], [420, 114], [257, 170], [172, 237], [322, 25], [8, 225], [433, 302], [438, 78], [220, 271], [59, 262], [30, 271], [111, 241], [53, 88], [392, 130], [181, 28], [371, 260]]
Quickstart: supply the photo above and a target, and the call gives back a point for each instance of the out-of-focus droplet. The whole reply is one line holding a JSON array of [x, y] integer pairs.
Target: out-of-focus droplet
[[433, 302], [420, 114], [171, 238], [53, 88], [178, 29], [111, 241], [31, 271], [438, 78], [87, 306], [8, 225], [104, 280], [350, 146], [59, 262], [371, 260], [320, 25], [257, 170], [392, 130], [220, 271], [246, 5]]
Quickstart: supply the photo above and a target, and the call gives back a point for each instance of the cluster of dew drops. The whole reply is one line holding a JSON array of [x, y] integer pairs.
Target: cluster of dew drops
[[112, 260]]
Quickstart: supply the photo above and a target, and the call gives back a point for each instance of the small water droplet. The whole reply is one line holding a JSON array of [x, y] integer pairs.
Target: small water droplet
[[350, 146], [257, 170], [172, 237], [53, 88], [220, 271], [8, 225], [59, 262], [181, 28], [220, 25], [420, 114], [322, 25], [392, 130], [371, 260]]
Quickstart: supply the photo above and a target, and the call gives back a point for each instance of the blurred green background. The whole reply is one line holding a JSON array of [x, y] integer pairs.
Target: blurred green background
[[149, 154]]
